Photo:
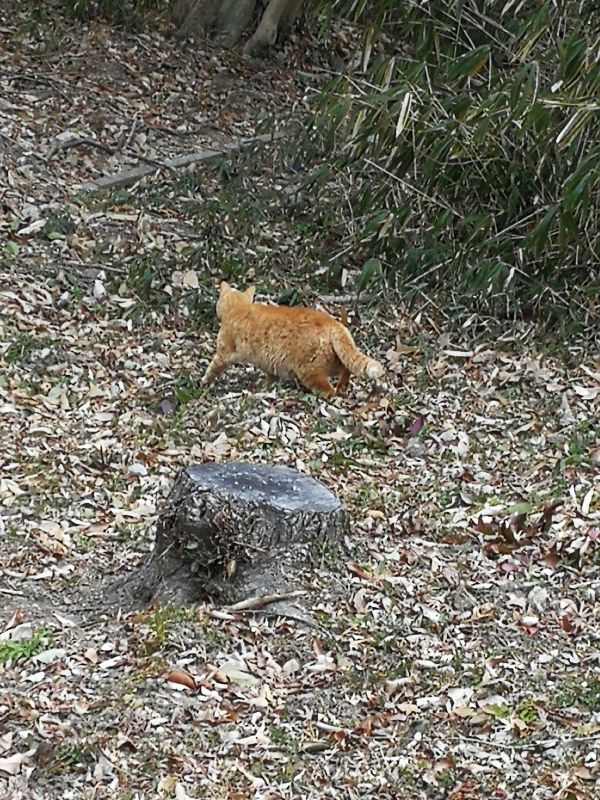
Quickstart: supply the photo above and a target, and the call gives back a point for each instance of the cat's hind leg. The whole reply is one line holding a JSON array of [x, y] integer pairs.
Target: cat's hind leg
[[316, 379]]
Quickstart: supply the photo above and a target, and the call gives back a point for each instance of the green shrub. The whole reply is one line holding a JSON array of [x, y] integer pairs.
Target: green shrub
[[470, 141]]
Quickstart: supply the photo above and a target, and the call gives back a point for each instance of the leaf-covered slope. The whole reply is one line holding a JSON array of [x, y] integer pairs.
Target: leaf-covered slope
[[453, 650]]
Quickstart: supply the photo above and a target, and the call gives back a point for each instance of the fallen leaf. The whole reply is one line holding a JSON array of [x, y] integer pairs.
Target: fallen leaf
[[190, 279], [416, 425], [231, 673], [181, 678], [586, 392], [587, 502], [12, 765]]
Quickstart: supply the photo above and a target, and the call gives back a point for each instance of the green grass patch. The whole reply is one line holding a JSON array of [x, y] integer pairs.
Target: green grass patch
[[15, 651], [584, 692]]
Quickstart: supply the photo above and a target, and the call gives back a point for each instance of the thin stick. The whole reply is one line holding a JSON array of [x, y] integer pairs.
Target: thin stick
[[77, 141], [261, 600]]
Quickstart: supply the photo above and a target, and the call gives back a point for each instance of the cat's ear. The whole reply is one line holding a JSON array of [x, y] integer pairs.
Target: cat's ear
[[224, 287], [250, 293]]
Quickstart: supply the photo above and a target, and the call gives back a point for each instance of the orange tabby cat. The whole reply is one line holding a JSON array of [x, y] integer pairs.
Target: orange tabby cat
[[283, 340]]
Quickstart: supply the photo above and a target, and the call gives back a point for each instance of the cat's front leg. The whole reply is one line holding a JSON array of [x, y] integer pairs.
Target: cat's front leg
[[221, 360], [216, 367]]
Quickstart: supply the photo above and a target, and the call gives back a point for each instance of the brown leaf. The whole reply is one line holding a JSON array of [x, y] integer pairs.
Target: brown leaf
[[412, 525], [498, 547], [367, 409], [545, 520], [359, 571], [464, 791], [373, 721], [455, 538], [570, 623], [581, 771], [566, 623], [518, 522], [551, 557], [182, 678], [487, 528], [16, 619], [43, 754], [318, 648]]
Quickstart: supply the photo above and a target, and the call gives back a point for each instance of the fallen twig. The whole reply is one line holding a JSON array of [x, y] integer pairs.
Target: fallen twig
[[261, 600], [542, 744], [130, 176], [78, 141], [347, 298]]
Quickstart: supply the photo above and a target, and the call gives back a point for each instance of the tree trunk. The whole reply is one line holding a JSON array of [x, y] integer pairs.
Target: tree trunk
[[226, 21], [233, 530], [279, 16]]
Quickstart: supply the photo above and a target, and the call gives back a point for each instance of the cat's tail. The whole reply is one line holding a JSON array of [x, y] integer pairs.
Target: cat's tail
[[351, 357]]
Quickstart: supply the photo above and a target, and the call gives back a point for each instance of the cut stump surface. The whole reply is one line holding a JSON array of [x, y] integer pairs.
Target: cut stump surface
[[234, 530]]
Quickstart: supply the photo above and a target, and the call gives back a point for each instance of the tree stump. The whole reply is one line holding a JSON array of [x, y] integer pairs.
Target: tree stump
[[234, 530]]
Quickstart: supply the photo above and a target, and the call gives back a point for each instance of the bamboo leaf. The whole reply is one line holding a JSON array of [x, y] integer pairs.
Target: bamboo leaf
[[574, 55], [469, 65], [578, 193], [367, 47], [370, 271], [539, 237], [404, 112], [573, 127]]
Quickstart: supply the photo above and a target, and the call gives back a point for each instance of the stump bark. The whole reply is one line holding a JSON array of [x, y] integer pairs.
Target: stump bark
[[235, 530]]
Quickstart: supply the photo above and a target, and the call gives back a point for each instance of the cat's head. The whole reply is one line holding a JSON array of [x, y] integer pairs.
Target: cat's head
[[230, 297]]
